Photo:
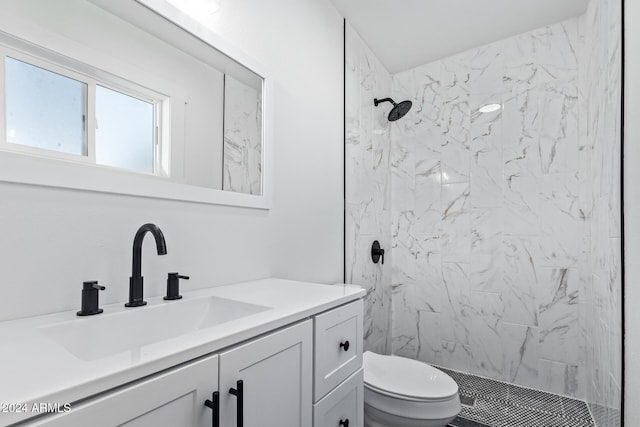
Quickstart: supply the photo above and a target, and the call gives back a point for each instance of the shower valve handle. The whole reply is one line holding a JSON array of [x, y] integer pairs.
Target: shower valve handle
[[377, 253]]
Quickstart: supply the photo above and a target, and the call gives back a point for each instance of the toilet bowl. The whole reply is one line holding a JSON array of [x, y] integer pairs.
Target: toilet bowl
[[401, 392]]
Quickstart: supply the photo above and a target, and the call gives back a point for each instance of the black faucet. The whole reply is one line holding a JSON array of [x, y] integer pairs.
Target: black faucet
[[173, 286], [136, 280], [89, 305]]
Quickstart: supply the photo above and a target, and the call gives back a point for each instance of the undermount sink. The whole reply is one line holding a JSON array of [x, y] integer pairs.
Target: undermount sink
[[111, 333]]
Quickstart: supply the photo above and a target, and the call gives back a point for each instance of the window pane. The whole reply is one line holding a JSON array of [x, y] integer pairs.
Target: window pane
[[44, 109], [125, 131]]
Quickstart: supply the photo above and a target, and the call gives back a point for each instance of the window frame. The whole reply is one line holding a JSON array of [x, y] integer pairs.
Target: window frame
[[160, 102]]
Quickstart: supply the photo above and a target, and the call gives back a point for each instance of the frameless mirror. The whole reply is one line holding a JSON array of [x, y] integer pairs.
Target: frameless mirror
[[165, 107]]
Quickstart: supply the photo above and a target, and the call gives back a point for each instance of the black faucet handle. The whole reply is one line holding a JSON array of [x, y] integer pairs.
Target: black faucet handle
[[89, 304], [173, 286], [92, 285]]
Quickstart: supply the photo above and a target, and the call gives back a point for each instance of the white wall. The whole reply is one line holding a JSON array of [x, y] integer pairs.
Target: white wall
[[52, 240], [632, 212], [300, 42]]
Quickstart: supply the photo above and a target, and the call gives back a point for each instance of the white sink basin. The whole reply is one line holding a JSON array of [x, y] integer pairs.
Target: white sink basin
[[95, 337]]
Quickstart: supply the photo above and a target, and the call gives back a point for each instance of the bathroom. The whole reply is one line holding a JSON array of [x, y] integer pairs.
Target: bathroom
[[341, 175]]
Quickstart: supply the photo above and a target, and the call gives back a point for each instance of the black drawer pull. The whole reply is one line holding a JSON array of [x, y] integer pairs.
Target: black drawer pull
[[214, 404], [238, 392], [345, 346], [344, 423]]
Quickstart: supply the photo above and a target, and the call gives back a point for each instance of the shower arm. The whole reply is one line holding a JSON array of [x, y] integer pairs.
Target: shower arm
[[378, 101]]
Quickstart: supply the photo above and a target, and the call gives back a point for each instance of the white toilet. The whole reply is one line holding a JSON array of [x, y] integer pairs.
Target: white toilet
[[401, 392]]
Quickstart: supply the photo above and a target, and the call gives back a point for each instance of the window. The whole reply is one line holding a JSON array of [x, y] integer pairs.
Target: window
[[54, 111], [125, 131], [44, 109], [126, 99]]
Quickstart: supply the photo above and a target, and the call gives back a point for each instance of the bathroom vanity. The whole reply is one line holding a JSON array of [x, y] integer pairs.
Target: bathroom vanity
[[265, 353]]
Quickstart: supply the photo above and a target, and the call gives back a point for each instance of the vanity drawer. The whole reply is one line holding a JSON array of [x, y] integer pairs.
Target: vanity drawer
[[345, 404], [338, 346]]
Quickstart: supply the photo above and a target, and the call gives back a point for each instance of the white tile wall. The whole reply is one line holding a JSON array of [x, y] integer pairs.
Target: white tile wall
[[368, 192], [505, 225], [242, 166], [505, 210], [600, 93]]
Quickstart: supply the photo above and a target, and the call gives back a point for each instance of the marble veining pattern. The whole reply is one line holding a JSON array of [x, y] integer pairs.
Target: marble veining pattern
[[368, 190], [500, 194], [242, 171], [502, 229], [600, 102]]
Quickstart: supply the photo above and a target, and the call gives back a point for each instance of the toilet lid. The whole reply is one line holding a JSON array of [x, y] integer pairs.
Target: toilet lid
[[407, 377]]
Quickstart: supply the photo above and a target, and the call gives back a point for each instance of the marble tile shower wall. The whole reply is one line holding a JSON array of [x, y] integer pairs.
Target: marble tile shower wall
[[504, 226], [490, 213], [600, 95], [242, 165], [368, 212]]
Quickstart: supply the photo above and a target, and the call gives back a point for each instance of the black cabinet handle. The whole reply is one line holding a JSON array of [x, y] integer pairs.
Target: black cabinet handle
[[344, 423], [238, 392], [214, 404], [345, 345]]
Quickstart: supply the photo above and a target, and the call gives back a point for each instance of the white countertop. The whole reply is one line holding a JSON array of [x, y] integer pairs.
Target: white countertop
[[36, 369]]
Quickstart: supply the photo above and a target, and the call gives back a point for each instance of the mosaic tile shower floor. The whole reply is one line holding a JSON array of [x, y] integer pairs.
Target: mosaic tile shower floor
[[491, 403]]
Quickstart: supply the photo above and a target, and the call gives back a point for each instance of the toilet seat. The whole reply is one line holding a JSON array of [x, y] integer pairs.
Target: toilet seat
[[404, 397], [402, 378], [409, 389], [419, 410]]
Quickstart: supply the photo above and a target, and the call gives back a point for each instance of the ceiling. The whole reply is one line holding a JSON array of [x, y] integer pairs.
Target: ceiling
[[406, 33]]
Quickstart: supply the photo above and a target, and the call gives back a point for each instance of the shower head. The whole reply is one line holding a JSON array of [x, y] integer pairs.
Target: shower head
[[398, 111]]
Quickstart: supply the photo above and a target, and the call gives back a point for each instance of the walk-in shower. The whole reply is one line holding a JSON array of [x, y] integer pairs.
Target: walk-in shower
[[502, 230]]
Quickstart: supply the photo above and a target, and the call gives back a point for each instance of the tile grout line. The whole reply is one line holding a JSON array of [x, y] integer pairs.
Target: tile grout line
[[505, 383], [568, 409]]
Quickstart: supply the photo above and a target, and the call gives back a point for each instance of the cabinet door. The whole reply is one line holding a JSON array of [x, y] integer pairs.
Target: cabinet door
[[175, 398], [338, 346], [344, 406], [276, 375]]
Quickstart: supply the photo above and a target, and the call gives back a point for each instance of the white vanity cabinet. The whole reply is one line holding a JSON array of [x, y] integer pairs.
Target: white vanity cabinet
[[296, 364], [173, 398], [276, 375], [338, 388], [344, 406]]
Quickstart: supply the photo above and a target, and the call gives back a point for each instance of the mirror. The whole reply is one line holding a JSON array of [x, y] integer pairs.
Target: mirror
[[242, 148], [205, 139]]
